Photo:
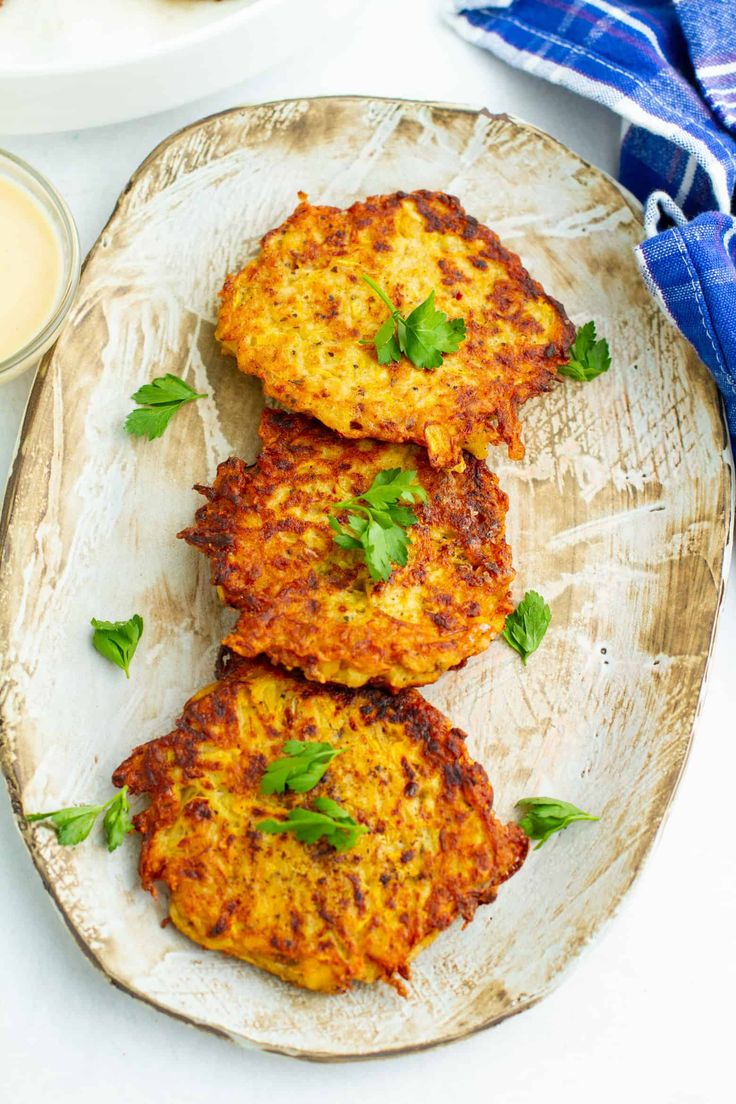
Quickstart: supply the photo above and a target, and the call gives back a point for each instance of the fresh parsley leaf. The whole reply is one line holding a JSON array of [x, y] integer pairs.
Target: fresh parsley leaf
[[588, 358], [424, 336], [545, 815], [74, 824], [301, 768], [158, 402], [427, 334], [118, 640], [377, 522], [327, 820], [117, 822], [386, 342], [526, 626], [164, 390], [150, 421]]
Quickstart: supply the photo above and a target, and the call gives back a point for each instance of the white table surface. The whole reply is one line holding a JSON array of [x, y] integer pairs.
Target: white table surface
[[647, 1013]]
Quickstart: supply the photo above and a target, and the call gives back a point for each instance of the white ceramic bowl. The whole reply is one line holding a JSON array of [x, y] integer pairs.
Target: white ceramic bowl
[[83, 63], [43, 191]]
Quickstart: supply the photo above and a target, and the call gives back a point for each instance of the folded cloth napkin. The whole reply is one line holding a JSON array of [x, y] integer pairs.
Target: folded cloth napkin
[[669, 68]]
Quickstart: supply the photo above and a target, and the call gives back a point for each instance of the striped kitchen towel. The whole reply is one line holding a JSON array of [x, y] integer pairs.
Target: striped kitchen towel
[[669, 68]]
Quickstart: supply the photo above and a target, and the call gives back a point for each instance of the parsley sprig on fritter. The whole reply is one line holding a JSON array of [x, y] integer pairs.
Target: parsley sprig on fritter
[[377, 521], [300, 768], [423, 336], [327, 820]]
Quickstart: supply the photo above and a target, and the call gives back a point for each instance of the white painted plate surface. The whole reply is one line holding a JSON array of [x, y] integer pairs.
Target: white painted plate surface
[[82, 63], [620, 515]]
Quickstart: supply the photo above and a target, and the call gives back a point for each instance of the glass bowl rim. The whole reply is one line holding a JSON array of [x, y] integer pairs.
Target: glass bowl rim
[[70, 238]]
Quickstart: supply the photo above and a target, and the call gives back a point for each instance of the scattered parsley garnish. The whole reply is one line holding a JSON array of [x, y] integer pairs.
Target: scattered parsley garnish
[[75, 824], [545, 815], [118, 640], [423, 336], [301, 769], [158, 401], [588, 358], [329, 822], [526, 626], [378, 524]]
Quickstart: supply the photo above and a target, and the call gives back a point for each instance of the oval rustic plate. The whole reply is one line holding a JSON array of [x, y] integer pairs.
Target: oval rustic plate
[[620, 516]]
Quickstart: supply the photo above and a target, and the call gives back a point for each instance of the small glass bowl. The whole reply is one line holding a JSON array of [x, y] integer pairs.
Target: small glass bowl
[[61, 219]]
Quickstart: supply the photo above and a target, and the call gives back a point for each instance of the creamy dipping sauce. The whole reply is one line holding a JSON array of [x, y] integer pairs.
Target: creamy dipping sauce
[[31, 267]]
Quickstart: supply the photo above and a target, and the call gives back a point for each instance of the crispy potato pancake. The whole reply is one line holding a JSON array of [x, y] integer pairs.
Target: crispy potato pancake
[[307, 603], [296, 314], [433, 849]]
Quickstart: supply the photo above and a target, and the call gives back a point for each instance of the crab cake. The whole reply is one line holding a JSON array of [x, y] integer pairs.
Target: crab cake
[[295, 316], [431, 849], [308, 603]]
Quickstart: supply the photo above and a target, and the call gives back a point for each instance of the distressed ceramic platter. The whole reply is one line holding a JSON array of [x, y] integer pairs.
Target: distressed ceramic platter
[[620, 515]]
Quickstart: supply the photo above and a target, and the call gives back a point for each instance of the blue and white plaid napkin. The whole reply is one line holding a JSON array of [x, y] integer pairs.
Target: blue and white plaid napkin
[[669, 68]]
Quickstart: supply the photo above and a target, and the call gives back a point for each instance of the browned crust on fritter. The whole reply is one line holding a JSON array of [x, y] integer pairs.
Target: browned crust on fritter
[[433, 851], [307, 603], [296, 314]]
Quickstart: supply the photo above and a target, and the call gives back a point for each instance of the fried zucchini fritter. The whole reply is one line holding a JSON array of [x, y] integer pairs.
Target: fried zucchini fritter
[[307, 603], [433, 849], [296, 314]]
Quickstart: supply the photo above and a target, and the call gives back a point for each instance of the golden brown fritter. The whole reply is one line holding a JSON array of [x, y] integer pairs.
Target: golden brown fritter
[[433, 849], [307, 603], [296, 314]]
